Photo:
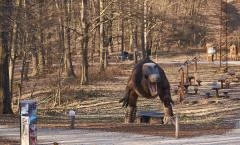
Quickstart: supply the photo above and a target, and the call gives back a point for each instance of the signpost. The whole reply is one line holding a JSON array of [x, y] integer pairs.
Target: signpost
[[28, 122]]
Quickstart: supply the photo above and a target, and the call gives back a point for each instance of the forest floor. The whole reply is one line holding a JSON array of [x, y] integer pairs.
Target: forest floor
[[97, 106]]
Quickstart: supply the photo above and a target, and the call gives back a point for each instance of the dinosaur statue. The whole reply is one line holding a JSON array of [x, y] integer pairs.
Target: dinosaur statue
[[147, 80]]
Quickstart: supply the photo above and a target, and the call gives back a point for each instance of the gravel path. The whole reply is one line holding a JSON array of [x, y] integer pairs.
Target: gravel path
[[91, 137]]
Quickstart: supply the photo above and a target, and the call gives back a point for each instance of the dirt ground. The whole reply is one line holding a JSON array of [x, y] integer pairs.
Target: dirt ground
[[186, 130], [97, 106]]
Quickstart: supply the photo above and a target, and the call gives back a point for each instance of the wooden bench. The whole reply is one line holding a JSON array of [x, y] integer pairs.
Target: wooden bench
[[225, 93], [199, 82], [238, 77], [222, 80], [191, 79], [216, 88], [150, 117], [207, 95], [175, 90], [227, 84], [186, 86], [195, 89], [231, 73]]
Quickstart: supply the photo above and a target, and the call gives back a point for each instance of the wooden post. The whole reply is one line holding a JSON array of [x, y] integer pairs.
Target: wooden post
[[195, 60], [186, 63], [19, 95], [72, 115], [187, 80], [72, 118], [181, 89], [181, 71], [176, 127]]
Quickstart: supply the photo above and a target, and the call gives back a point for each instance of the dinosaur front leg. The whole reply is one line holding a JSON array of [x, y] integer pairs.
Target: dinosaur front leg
[[125, 99], [130, 115], [168, 115], [168, 112]]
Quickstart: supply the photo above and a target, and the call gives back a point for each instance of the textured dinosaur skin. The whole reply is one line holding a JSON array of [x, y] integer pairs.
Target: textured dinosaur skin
[[138, 86]]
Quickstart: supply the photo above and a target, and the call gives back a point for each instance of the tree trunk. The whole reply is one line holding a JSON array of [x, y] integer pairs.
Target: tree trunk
[[15, 41], [110, 31], [68, 67], [7, 96], [136, 44], [102, 36], [122, 36], [94, 42], [6, 9], [34, 62], [122, 33], [85, 39], [143, 30], [41, 58], [145, 8], [12, 55], [1, 77], [24, 43], [131, 25], [133, 30]]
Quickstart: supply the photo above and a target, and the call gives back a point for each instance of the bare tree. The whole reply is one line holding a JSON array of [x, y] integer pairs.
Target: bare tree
[[41, 50], [85, 38], [68, 67], [5, 96], [102, 35], [14, 44]]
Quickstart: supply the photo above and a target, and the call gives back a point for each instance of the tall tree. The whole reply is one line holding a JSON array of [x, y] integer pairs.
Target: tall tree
[[122, 29], [102, 35], [144, 28], [1, 77], [14, 44], [133, 42], [68, 66], [85, 38], [34, 33], [105, 31], [41, 54], [5, 97]]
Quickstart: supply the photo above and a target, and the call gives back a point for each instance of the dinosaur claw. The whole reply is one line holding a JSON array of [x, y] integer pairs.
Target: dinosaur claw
[[124, 100], [121, 100], [125, 103], [169, 120]]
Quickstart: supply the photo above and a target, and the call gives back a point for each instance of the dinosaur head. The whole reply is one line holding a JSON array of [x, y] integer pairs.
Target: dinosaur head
[[151, 77]]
